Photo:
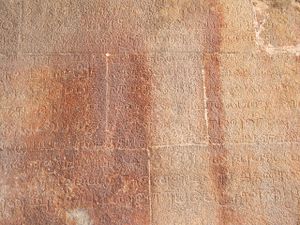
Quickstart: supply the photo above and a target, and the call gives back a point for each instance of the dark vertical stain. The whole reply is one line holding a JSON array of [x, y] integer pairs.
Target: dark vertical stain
[[216, 115], [129, 112], [130, 102]]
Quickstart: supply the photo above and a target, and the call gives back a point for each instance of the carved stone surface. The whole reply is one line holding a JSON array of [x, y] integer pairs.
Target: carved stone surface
[[150, 112]]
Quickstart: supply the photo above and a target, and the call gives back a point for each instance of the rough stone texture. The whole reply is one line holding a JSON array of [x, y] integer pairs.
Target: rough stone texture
[[159, 112]]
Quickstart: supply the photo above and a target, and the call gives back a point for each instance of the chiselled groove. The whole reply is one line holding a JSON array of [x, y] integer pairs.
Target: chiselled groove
[[107, 55], [20, 33], [149, 182], [205, 102], [222, 144], [136, 53]]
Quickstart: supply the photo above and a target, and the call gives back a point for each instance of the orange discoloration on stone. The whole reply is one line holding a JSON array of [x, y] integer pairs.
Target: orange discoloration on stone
[[129, 111], [81, 82], [132, 121], [69, 163], [216, 115]]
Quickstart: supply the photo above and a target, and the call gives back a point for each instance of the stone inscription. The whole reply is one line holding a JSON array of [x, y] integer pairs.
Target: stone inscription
[[161, 112]]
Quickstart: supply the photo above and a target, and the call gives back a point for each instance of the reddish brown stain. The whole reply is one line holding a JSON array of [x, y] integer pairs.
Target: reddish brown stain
[[121, 194], [130, 108], [216, 116], [78, 168], [129, 111]]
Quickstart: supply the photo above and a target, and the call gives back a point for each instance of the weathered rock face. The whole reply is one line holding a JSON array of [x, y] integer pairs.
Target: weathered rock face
[[151, 112]]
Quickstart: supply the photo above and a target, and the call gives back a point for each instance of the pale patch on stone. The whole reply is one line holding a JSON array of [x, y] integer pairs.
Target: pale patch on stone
[[173, 9], [260, 12], [79, 216]]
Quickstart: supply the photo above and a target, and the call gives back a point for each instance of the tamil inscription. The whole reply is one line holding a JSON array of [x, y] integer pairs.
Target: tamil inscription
[[150, 112]]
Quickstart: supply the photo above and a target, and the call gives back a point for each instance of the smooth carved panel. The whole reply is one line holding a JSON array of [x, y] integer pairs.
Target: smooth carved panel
[[151, 112]]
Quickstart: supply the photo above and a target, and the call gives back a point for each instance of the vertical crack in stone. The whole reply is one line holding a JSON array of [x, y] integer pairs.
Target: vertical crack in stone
[[205, 101], [107, 55], [149, 183]]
